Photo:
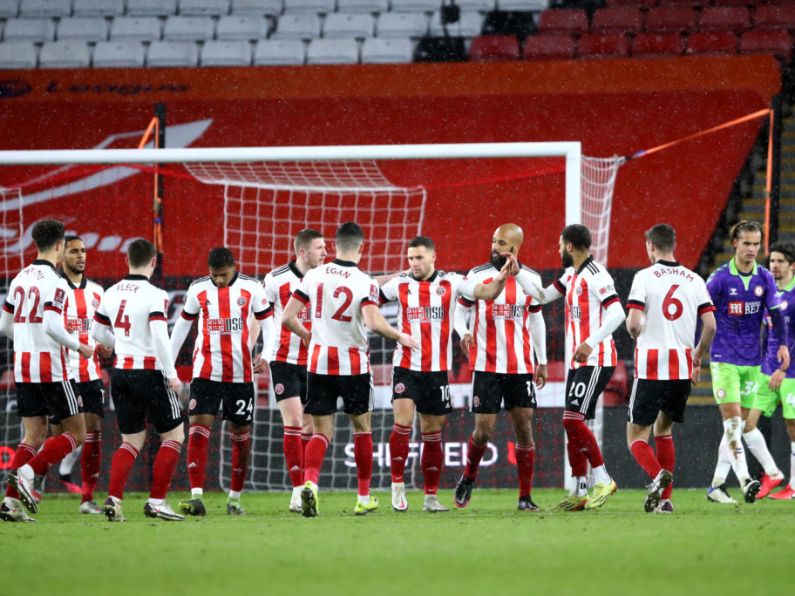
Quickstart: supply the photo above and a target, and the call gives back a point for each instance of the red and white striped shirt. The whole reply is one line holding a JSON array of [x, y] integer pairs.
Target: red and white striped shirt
[[127, 308], [503, 343], [38, 358], [672, 298], [226, 326], [588, 291], [334, 294], [279, 287], [426, 310], [81, 303]]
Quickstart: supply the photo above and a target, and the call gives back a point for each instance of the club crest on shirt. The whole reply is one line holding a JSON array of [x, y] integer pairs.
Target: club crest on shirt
[[441, 291], [95, 303], [192, 405], [578, 290], [241, 302], [400, 388], [278, 389], [759, 290]]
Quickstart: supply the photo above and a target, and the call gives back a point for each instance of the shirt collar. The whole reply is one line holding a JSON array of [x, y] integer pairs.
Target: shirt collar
[[342, 263], [296, 271], [734, 271], [234, 279], [136, 277], [83, 282], [44, 262], [667, 263], [584, 264], [430, 279]]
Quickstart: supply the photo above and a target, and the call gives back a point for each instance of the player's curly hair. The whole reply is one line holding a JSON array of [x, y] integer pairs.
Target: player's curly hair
[[220, 257], [47, 233], [578, 235]]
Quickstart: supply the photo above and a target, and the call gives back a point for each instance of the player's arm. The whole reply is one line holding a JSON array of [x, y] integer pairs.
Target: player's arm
[[774, 308], [158, 327], [531, 286], [54, 325], [634, 321], [461, 316], [613, 317], [180, 332], [263, 312], [7, 319], [538, 334], [376, 323], [290, 316], [382, 280], [708, 328]]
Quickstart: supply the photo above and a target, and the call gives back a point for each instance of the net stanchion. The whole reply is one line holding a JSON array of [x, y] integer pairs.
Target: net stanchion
[[598, 184]]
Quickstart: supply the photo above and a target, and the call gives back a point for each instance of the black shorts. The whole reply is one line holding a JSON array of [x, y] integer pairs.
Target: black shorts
[[237, 399], [288, 380], [92, 396], [584, 385], [429, 390], [322, 392], [492, 390], [143, 395], [649, 398], [59, 400]]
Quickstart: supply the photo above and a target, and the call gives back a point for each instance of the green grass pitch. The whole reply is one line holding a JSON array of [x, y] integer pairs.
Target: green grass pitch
[[489, 548]]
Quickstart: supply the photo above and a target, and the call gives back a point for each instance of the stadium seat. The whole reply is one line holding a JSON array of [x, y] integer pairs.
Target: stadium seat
[[775, 16], [35, 30], [621, 19], [469, 25], [9, 9], [725, 18], [312, 6], [603, 45], [85, 28], [257, 7], [249, 27], [402, 24], [297, 26], [573, 21], [172, 54], [642, 4], [226, 53], [98, 8], [669, 19], [179, 28], [203, 8], [712, 42], [525, 5], [646, 45], [119, 54], [135, 28], [479, 5], [333, 51], [518, 23], [493, 48], [288, 52], [339, 25], [17, 54], [45, 8], [151, 8], [688, 3], [65, 54], [387, 51], [415, 5], [441, 49], [777, 43], [362, 5], [554, 46]]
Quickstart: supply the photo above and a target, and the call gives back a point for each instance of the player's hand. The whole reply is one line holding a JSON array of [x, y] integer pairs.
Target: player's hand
[[466, 345], [86, 351], [541, 375], [307, 339], [775, 380], [582, 352], [103, 351], [259, 366], [783, 357], [174, 384], [405, 340]]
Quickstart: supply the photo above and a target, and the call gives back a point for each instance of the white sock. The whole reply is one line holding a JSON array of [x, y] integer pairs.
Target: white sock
[[68, 462], [156, 502], [756, 443], [600, 475], [580, 488], [234, 495], [196, 493], [724, 463], [792, 465], [365, 499]]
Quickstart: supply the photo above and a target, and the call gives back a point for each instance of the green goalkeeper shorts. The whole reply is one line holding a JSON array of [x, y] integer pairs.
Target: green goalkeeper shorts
[[734, 384], [767, 400]]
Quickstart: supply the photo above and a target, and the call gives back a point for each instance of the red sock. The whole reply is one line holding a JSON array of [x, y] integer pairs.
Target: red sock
[[305, 438], [198, 443], [666, 455], [241, 452], [294, 454], [120, 467], [644, 455], [525, 465], [313, 458], [90, 460], [399, 450], [363, 454], [579, 433], [577, 459], [54, 450], [22, 455], [432, 461], [163, 468], [474, 455]]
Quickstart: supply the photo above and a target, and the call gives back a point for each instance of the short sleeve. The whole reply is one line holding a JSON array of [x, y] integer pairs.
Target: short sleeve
[[637, 294], [192, 307], [260, 303], [705, 304], [270, 289], [562, 283], [302, 292], [389, 291], [466, 290], [56, 297], [158, 306], [370, 292], [10, 301], [603, 288], [101, 314]]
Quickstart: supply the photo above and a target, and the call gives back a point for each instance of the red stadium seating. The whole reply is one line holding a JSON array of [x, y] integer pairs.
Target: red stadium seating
[[492, 48], [664, 19], [712, 42], [568, 20], [737, 2], [642, 4], [686, 3], [596, 45], [621, 19], [778, 43], [549, 46], [658, 44], [725, 18], [775, 16]]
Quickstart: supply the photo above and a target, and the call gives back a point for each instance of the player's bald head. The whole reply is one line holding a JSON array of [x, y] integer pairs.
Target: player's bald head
[[510, 232]]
